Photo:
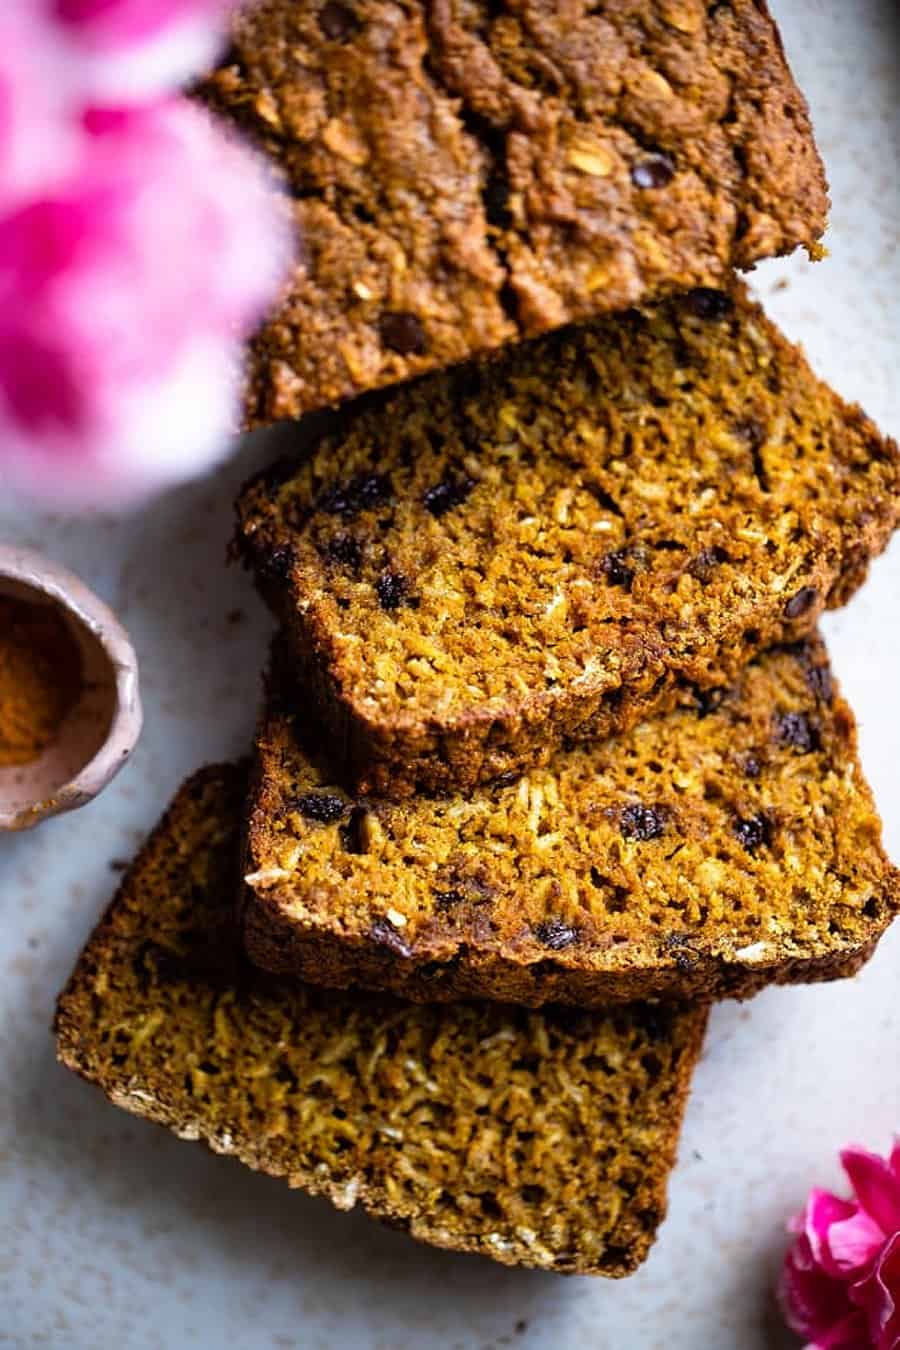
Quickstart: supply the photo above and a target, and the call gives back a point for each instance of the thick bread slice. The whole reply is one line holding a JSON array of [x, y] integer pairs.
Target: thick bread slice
[[729, 844], [538, 1139], [491, 561]]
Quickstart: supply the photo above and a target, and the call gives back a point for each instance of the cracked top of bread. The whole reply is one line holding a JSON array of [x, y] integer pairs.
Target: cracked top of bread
[[536, 1139], [463, 173], [544, 546], [729, 844]]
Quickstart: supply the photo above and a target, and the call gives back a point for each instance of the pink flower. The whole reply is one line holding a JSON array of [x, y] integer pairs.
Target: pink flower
[[124, 50], [840, 1285], [37, 142], [124, 295]]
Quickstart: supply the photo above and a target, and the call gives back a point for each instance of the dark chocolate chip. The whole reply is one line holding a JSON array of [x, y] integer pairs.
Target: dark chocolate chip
[[447, 494], [708, 700], [749, 765], [352, 836], [445, 900], [706, 303], [324, 807], [616, 570], [342, 549], [703, 566], [820, 682], [642, 822], [277, 563], [496, 202], [336, 21], [362, 493], [679, 944], [801, 603], [795, 730], [556, 935], [384, 933], [392, 589], [403, 333], [752, 832], [655, 172]]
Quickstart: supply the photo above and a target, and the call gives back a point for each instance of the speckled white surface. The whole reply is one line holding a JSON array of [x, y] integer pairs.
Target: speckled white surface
[[112, 1233]]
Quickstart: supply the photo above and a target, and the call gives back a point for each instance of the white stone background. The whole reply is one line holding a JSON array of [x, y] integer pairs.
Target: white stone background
[[114, 1234]]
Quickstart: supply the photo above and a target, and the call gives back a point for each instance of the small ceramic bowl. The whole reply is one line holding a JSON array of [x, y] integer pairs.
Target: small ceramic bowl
[[102, 729]]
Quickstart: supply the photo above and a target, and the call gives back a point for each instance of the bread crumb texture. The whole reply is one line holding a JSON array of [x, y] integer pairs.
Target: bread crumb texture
[[549, 546], [729, 844], [460, 174], [537, 1139]]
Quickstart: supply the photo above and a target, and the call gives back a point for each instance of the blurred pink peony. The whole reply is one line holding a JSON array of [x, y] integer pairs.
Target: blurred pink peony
[[124, 294], [38, 142], [124, 50], [840, 1286]]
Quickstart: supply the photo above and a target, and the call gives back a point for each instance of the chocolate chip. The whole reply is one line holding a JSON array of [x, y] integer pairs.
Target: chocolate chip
[[277, 563], [703, 566], [337, 21], [706, 303], [616, 570], [795, 730], [384, 932], [556, 935], [679, 944], [749, 765], [403, 333], [392, 589], [352, 836], [445, 495], [655, 172], [820, 682], [323, 807], [362, 493], [445, 900], [642, 822], [496, 202], [752, 832], [342, 549], [801, 603], [708, 700]]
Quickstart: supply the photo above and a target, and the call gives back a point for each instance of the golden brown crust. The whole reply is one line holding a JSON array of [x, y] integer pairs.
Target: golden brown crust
[[539, 1139], [488, 562], [729, 845], [462, 174]]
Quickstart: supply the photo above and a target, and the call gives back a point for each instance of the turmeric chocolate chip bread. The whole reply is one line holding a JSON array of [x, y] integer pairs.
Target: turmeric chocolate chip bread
[[463, 173], [730, 844], [538, 1139], [498, 558]]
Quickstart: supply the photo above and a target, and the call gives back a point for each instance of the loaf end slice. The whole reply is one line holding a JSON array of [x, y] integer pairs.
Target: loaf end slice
[[729, 844], [537, 1139], [462, 175], [490, 562]]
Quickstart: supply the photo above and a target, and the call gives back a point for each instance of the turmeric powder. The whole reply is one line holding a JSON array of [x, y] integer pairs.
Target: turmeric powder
[[40, 678]]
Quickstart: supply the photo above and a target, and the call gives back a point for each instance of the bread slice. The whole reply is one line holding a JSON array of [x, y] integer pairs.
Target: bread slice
[[461, 175], [489, 562], [538, 1139], [731, 844]]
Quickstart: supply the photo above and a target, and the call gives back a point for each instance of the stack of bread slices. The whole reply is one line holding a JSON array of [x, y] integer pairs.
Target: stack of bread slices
[[550, 754]]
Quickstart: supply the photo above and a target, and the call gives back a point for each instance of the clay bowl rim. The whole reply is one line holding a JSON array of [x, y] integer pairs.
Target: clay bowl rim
[[28, 568]]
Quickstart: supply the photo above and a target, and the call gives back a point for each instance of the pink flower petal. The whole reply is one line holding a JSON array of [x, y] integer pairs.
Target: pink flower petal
[[879, 1296], [823, 1210], [852, 1245], [126, 50], [813, 1303], [876, 1187], [123, 297]]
